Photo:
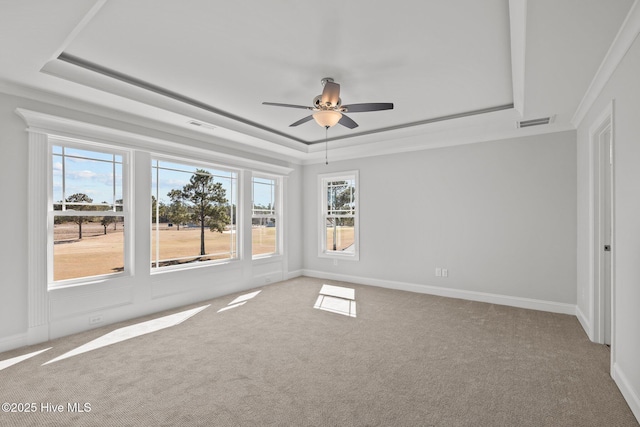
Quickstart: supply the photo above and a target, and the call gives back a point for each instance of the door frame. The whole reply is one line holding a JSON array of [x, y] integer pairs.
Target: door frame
[[597, 155]]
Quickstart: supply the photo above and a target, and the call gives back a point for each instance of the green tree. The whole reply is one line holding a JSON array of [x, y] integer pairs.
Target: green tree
[[79, 198], [208, 202], [154, 204], [161, 211], [177, 211]]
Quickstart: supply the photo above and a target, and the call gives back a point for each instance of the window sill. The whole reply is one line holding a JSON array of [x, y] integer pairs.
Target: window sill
[[340, 255], [195, 266], [266, 258], [85, 281]]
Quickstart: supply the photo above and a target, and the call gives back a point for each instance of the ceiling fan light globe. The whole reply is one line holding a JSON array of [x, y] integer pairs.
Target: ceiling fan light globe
[[327, 118]]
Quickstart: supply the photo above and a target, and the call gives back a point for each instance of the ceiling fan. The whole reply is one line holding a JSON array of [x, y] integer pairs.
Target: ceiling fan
[[328, 109]]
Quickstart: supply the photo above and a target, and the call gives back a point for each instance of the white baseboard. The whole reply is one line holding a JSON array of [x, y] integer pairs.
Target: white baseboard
[[585, 323], [13, 342], [293, 274], [265, 279], [630, 395], [533, 304]]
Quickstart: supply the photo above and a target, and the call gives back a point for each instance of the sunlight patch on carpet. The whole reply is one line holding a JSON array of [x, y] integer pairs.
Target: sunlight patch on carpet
[[241, 300], [230, 306], [337, 299], [338, 292], [132, 331], [245, 297], [10, 362]]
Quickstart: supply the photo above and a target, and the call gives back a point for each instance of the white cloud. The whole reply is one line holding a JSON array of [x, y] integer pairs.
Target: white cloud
[[82, 174]]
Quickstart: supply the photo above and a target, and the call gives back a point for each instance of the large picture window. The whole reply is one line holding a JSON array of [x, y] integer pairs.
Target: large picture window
[[193, 214], [264, 217], [339, 216], [88, 212]]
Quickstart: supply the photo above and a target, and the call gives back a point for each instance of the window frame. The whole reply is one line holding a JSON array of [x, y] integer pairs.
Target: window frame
[[139, 288], [236, 250], [323, 179], [125, 213], [277, 214]]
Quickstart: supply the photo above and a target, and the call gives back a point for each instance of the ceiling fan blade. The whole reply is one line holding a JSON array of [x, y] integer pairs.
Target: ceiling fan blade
[[370, 106], [301, 121], [331, 93], [277, 104], [347, 122]]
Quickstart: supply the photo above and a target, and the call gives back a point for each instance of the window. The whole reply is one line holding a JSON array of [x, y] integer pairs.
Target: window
[[193, 214], [88, 212], [339, 216], [264, 217]]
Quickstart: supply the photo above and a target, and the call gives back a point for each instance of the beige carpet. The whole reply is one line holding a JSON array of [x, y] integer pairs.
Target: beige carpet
[[406, 360]]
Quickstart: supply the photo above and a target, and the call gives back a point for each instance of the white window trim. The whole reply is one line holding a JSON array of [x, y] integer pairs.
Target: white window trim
[[322, 234], [278, 215], [125, 213], [238, 230]]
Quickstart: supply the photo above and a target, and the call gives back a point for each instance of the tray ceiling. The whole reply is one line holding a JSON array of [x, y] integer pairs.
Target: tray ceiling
[[216, 62]]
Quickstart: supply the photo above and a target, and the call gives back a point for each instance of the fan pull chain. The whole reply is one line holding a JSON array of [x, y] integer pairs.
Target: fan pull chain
[[326, 145]]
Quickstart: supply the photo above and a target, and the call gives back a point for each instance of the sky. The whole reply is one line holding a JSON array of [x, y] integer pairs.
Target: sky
[[88, 172], [174, 176], [100, 176]]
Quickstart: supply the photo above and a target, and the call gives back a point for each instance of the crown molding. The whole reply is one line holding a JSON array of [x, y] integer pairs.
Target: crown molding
[[217, 139], [621, 44], [493, 125], [42, 123]]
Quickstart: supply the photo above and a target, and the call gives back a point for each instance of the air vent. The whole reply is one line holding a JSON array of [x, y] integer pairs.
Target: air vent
[[201, 124], [534, 122]]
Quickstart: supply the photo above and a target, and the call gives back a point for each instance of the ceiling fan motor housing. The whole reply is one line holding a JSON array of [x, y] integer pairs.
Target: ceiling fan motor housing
[[317, 103]]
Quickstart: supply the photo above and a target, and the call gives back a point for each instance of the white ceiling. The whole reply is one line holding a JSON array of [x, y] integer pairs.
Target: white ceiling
[[217, 61]]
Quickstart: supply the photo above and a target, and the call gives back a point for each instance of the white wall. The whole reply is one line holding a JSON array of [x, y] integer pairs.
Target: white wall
[[623, 87], [500, 216], [120, 298], [13, 218], [293, 222]]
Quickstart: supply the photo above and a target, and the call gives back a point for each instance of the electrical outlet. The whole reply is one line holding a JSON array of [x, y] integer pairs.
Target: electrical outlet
[[95, 320], [438, 272], [335, 261], [445, 272]]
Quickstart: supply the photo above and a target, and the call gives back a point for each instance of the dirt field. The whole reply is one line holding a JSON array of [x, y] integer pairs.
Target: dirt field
[[98, 253], [95, 254], [344, 238], [185, 243]]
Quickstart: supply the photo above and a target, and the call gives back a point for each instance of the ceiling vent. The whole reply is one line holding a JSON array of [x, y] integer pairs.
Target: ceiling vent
[[534, 122], [201, 124]]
